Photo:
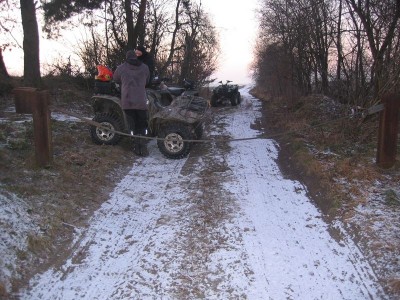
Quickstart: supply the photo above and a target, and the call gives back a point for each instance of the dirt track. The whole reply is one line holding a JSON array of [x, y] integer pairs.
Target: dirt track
[[222, 224]]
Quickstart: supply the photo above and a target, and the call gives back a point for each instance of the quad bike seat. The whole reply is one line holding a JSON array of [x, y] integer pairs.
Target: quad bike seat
[[176, 91]]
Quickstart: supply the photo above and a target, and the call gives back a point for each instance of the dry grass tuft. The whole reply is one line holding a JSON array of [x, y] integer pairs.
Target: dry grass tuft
[[394, 285], [70, 189], [3, 292], [321, 125]]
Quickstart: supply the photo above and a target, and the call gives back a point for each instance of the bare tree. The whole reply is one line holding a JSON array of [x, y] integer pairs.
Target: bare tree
[[172, 48], [193, 49], [379, 20], [177, 32], [348, 48], [3, 69], [139, 30], [129, 25], [30, 44]]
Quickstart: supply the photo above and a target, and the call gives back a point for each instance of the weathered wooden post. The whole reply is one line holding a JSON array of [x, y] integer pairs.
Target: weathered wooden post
[[32, 101], [388, 131]]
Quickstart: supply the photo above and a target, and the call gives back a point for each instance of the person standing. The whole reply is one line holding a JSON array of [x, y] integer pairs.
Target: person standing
[[133, 75], [146, 58]]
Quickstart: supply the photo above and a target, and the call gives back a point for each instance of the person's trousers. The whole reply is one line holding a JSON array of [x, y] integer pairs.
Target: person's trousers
[[137, 120]]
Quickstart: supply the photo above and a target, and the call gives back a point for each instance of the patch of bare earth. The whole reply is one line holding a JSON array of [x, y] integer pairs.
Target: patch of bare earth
[[333, 154], [335, 160]]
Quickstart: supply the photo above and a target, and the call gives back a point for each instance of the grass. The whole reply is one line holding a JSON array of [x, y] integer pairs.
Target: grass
[[325, 144], [334, 155], [78, 180], [82, 174]]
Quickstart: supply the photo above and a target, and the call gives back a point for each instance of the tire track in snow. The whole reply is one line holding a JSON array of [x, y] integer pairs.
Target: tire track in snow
[[126, 246], [290, 249], [223, 224]]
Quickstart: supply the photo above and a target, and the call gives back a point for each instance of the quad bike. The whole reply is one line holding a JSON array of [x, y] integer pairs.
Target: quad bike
[[190, 88], [175, 123], [225, 92], [186, 88]]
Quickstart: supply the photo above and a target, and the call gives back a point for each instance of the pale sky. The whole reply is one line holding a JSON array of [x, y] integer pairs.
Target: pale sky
[[236, 25]]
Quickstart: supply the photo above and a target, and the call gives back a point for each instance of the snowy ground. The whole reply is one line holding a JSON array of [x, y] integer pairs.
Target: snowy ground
[[221, 224]]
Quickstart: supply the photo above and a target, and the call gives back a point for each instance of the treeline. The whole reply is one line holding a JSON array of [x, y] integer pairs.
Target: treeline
[[178, 33], [348, 49]]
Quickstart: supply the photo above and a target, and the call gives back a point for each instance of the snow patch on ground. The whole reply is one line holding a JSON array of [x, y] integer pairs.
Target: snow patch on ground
[[17, 223], [379, 218], [219, 225], [56, 116]]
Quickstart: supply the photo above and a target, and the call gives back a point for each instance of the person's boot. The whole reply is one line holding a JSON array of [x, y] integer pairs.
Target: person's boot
[[140, 146]]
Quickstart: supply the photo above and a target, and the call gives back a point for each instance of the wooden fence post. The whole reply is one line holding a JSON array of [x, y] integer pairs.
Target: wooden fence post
[[32, 101], [388, 131]]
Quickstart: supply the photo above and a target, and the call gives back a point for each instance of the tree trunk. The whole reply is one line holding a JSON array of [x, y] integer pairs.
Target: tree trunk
[[3, 69], [5, 80], [129, 25], [185, 67], [30, 44], [139, 28], [339, 43], [173, 40], [378, 47]]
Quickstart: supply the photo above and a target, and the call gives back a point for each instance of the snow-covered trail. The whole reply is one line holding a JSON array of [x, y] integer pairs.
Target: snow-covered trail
[[222, 224]]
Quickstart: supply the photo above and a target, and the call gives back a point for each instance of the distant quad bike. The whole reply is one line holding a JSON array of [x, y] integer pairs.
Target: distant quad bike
[[224, 93], [175, 124]]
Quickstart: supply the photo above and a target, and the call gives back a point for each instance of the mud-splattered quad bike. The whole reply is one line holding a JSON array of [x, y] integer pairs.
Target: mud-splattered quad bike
[[225, 92], [175, 124]]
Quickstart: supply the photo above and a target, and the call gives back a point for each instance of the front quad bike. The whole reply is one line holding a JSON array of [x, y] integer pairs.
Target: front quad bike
[[225, 92], [175, 125]]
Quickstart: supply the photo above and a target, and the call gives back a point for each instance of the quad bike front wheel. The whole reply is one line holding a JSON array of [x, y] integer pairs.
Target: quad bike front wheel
[[233, 100], [175, 143], [106, 135], [236, 99]]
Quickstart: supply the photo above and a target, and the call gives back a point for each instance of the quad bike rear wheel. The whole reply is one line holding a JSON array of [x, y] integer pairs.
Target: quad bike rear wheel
[[103, 136], [175, 144], [214, 100]]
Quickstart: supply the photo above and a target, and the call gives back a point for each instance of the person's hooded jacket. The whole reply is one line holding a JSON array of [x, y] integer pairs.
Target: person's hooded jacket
[[132, 75], [147, 59]]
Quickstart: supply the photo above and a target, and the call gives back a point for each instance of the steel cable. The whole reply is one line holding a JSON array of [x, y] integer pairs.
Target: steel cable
[[371, 110]]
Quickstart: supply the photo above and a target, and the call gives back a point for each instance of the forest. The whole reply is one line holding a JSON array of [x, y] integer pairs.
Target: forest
[[345, 49], [178, 33]]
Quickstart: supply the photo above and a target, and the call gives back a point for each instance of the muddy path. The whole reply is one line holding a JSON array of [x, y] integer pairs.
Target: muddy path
[[222, 224]]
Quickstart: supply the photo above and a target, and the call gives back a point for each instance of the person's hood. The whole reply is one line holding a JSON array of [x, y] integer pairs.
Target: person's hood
[[142, 49]]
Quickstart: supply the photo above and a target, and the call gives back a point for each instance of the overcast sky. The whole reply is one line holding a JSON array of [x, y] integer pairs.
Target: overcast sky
[[235, 22], [237, 26]]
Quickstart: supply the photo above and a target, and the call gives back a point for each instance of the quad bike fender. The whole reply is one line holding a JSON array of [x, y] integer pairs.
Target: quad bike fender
[[109, 104]]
